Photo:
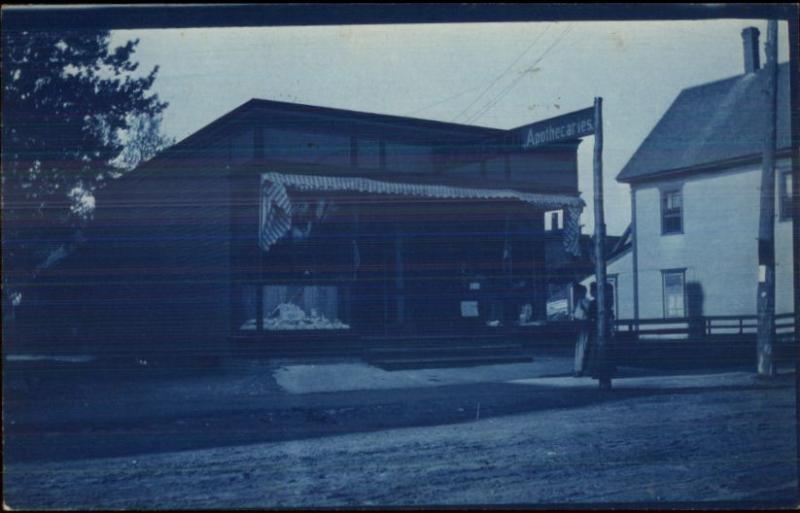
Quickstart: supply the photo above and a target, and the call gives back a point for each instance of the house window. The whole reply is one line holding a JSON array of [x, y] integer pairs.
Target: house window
[[612, 280], [674, 283], [672, 211], [785, 191], [553, 220]]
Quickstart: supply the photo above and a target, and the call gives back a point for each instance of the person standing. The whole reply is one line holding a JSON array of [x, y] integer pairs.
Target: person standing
[[581, 315], [592, 365]]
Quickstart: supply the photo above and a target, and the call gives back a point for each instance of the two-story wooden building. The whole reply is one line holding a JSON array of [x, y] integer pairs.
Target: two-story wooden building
[[695, 196], [280, 218]]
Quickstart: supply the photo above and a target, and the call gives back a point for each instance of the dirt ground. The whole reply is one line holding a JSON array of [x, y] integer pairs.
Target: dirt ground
[[522, 441]]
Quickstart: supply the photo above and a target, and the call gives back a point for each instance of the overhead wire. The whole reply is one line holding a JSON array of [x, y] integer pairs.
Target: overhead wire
[[502, 94], [503, 74], [451, 97]]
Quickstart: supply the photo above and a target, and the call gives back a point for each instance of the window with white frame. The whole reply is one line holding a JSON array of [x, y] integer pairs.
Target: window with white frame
[[671, 211], [785, 191], [612, 279], [674, 284], [553, 220]]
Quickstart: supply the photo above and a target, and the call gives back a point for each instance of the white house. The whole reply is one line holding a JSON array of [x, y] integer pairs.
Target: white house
[[619, 273], [695, 193]]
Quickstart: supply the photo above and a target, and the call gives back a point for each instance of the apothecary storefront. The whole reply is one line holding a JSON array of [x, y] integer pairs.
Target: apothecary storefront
[[367, 256], [364, 236], [285, 222]]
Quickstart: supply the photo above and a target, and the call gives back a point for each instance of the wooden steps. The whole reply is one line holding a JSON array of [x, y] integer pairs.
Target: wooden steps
[[449, 361], [392, 352], [438, 352]]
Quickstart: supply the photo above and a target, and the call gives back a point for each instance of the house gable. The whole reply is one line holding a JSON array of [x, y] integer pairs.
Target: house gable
[[712, 124]]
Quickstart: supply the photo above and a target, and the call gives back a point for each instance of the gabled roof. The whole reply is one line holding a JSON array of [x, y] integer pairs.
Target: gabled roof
[[712, 123]]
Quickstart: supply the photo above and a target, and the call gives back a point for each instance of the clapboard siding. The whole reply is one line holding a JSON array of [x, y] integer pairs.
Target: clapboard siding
[[717, 246]]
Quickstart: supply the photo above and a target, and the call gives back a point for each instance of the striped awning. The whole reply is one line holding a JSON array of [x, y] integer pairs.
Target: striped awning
[[276, 207]]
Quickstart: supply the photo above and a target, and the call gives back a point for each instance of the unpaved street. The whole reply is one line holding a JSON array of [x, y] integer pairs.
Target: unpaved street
[[727, 437]]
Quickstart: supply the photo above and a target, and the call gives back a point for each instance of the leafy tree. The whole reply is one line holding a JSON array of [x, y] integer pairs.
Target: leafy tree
[[144, 141], [71, 103]]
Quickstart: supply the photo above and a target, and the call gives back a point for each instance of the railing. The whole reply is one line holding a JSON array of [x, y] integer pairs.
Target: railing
[[706, 326]]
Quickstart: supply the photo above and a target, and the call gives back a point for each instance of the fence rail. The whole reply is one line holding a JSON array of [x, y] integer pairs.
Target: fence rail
[[706, 326]]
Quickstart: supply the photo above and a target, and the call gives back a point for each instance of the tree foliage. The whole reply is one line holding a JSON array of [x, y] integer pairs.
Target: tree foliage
[[70, 102], [144, 141]]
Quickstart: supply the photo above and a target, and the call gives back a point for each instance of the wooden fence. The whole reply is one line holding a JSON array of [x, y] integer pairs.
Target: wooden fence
[[706, 326], [709, 340]]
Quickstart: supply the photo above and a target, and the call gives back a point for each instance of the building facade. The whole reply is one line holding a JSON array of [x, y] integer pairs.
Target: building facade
[[281, 219], [696, 243], [695, 198]]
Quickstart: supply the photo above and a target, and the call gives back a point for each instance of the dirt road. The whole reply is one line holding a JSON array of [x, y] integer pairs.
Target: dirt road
[[729, 440]]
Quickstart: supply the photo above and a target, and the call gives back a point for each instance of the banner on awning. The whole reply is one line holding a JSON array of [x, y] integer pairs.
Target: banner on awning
[[276, 207]]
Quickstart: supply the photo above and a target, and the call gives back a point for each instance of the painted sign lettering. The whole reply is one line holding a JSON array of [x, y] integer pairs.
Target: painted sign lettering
[[562, 128]]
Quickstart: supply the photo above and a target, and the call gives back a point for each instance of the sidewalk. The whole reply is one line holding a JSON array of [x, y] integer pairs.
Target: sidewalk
[[303, 378], [668, 382]]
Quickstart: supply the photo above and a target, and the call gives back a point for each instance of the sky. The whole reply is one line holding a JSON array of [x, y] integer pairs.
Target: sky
[[499, 75]]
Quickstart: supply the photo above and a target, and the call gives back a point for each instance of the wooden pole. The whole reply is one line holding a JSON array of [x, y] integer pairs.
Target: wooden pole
[[794, 31], [766, 226], [604, 376], [635, 255]]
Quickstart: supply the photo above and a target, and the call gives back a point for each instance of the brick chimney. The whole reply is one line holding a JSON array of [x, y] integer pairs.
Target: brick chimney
[[751, 50]]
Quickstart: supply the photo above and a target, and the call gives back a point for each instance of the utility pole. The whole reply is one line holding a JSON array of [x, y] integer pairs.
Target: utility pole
[[766, 225], [602, 362]]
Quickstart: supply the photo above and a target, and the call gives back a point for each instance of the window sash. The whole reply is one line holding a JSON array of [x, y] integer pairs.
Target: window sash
[[786, 195], [674, 288], [671, 212], [673, 202]]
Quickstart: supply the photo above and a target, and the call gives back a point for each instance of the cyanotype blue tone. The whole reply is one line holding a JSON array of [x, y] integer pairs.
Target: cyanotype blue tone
[[353, 265]]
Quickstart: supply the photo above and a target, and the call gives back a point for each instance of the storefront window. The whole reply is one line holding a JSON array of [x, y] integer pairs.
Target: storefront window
[[299, 307]]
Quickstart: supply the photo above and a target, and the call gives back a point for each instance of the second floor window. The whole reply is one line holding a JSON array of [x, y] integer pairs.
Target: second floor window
[[671, 211], [785, 191]]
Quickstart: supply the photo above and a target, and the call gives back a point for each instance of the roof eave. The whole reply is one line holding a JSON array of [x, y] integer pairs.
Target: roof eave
[[711, 166]]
